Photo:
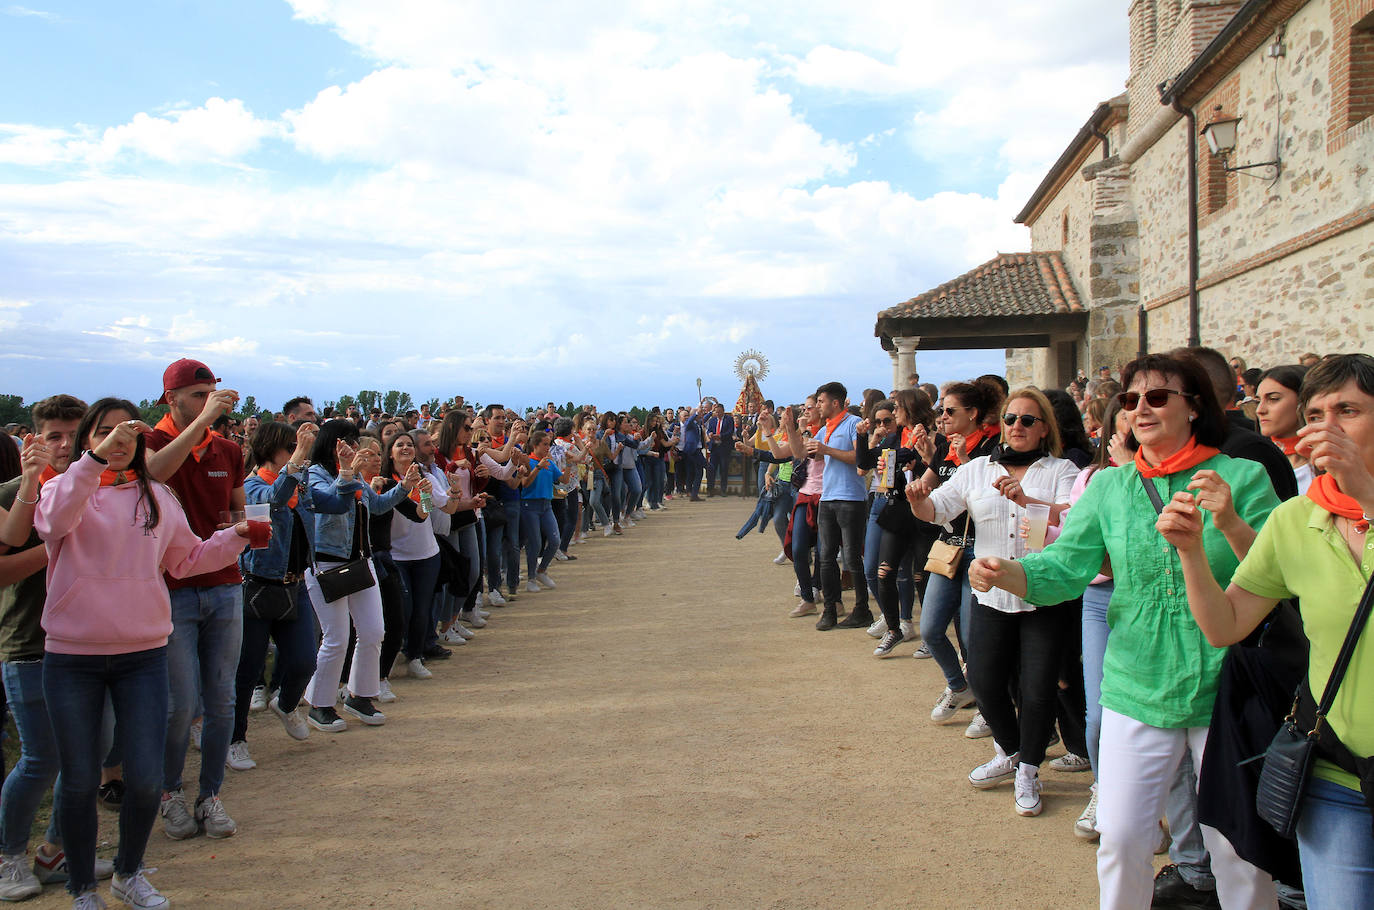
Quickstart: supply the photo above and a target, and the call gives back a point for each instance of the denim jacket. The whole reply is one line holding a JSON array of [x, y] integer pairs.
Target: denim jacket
[[332, 502], [274, 561]]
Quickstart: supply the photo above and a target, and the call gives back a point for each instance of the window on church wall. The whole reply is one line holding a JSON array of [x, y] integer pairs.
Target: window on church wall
[[1360, 91], [1064, 232]]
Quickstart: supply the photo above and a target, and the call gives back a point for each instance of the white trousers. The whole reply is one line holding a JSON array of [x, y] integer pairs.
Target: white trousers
[[1136, 766], [365, 676]]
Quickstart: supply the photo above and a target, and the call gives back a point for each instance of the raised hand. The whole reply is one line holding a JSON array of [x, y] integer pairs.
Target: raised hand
[[34, 457], [1214, 495], [123, 438], [1180, 522]]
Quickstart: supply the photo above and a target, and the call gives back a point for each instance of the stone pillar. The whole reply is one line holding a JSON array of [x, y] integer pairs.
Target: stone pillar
[[895, 367], [904, 362]]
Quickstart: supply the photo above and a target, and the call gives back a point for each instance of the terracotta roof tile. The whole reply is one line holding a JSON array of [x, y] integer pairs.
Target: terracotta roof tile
[[1013, 284]]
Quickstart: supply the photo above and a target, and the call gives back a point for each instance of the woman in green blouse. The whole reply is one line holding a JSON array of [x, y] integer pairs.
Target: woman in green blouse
[[1159, 673]]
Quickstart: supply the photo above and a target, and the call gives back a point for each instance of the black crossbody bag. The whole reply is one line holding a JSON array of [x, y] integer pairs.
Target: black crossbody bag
[[352, 576]]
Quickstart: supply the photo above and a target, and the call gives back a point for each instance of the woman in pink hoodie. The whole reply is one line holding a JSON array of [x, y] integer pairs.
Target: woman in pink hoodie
[[111, 532]]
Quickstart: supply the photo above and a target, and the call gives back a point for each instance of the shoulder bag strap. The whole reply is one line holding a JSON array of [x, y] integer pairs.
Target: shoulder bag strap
[[1152, 493]]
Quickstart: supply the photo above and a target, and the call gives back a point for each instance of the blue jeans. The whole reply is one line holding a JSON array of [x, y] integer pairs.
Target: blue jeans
[[33, 775], [947, 599], [74, 686], [1095, 631], [655, 474], [467, 541], [782, 508], [597, 498], [503, 547], [873, 540], [627, 490], [418, 577], [202, 664], [1186, 847], [1336, 847], [803, 552], [295, 640], [540, 531]]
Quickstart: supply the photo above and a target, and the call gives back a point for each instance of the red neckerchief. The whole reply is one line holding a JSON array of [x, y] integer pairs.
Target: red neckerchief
[[971, 442], [832, 425], [117, 478], [1325, 492], [167, 426], [1289, 444], [908, 437], [269, 477], [1190, 456], [498, 442], [414, 494]]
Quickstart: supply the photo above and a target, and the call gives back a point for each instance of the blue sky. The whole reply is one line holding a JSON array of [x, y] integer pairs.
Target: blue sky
[[519, 201]]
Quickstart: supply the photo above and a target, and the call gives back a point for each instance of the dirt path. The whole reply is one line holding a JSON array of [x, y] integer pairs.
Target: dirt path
[[655, 732]]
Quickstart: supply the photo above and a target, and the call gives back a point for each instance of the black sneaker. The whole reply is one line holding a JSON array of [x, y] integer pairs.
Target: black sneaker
[[888, 646], [326, 720], [111, 794], [858, 619], [1172, 892], [437, 653], [363, 709], [827, 620]]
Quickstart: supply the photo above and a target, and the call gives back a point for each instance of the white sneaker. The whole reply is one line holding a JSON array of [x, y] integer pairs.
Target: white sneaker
[[343, 693], [295, 725], [495, 599], [796, 590], [386, 696], [545, 580], [137, 891], [560, 556], [1071, 763], [17, 880], [1002, 768], [453, 637], [627, 521], [1027, 790], [238, 757], [259, 702], [463, 631], [781, 558], [177, 822], [608, 531], [948, 704], [211, 816], [89, 900], [418, 670], [533, 587], [908, 630], [1086, 826], [473, 620], [923, 652], [978, 728], [878, 629]]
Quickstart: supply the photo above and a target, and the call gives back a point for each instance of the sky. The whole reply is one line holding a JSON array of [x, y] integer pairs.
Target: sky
[[524, 201]]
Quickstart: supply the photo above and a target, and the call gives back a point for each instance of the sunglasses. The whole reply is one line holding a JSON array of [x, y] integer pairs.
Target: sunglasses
[[885, 421], [1027, 420], [1155, 398], [950, 412]]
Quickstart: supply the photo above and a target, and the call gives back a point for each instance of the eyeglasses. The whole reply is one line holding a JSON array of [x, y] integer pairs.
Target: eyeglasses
[[885, 421], [1155, 398], [1027, 420], [950, 412]]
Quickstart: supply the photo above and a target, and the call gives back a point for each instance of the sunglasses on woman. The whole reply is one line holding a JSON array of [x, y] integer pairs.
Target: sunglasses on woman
[[1155, 398], [1027, 420], [950, 412]]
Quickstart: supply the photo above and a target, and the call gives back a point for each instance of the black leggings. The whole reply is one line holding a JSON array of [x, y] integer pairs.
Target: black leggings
[[1000, 644]]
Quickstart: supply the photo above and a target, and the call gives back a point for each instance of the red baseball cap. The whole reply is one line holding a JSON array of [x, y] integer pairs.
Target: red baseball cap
[[183, 373]]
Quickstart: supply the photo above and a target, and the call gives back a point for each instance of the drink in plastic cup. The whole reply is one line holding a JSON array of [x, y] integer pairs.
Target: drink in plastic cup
[[1039, 517], [259, 515]]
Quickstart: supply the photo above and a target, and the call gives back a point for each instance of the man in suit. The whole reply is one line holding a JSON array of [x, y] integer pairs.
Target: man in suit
[[720, 435]]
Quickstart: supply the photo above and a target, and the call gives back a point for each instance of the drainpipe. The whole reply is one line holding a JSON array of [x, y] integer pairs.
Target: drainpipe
[[1194, 329]]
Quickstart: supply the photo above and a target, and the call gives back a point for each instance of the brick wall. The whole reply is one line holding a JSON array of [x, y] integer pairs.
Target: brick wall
[[1351, 66], [1166, 35]]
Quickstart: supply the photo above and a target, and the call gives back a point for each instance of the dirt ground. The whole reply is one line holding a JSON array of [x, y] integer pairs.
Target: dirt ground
[[654, 733]]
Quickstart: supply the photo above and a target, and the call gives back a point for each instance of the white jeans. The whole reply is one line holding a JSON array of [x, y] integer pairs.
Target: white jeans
[[1136, 766], [365, 607]]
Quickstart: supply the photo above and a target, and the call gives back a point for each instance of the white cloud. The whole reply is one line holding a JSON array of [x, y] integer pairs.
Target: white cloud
[[217, 132]]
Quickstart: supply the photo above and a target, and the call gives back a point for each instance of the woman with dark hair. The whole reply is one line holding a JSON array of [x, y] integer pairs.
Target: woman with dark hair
[[608, 482], [1078, 448], [468, 475], [537, 524], [655, 461], [340, 502], [1279, 418], [281, 454], [111, 532], [1011, 643], [413, 547], [1318, 548], [1160, 675], [968, 408], [9, 460]]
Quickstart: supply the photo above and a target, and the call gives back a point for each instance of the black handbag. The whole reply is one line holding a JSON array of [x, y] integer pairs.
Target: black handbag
[[1288, 760], [352, 576], [267, 600]]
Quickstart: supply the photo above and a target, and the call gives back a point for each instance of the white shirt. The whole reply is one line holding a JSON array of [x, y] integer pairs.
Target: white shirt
[[412, 540], [996, 518]]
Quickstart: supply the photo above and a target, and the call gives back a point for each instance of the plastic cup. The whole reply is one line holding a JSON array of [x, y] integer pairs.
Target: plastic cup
[[1039, 517], [259, 516]]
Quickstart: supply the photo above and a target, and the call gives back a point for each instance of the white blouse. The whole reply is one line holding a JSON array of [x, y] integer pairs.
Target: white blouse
[[996, 518]]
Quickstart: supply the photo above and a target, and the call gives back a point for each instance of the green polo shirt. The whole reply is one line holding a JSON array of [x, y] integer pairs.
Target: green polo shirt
[[1301, 554], [1159, 668]]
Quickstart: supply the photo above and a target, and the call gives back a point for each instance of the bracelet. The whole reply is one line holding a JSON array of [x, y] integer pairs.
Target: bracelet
[[22, 501]]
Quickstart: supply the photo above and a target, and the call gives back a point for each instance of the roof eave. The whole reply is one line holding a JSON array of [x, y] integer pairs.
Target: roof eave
[[1069, 160]]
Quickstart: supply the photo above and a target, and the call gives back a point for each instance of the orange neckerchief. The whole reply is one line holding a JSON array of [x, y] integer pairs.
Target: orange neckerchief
[[1289, 444], [833, 424], [269, 477], [47, 475], [971, 442], [498, 442], [414, 494], [908, 436], [197, 450], [1326, 493], [1190, 456], [117, 478]]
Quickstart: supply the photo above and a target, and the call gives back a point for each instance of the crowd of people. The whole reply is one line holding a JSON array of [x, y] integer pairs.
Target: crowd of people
[[1133, 567], [149, 572], [1119, 561]]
